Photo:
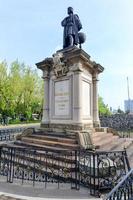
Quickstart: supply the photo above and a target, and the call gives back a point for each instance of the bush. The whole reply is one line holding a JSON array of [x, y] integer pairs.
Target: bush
[[17, 121]]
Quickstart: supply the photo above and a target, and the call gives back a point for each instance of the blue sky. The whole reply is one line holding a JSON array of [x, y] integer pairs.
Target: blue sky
[[30, 31]]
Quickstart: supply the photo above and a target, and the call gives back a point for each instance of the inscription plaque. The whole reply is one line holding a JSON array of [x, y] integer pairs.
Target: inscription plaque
[[62, 98]]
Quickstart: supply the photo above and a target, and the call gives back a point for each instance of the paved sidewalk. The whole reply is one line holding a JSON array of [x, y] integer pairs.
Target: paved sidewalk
[[19, 125], [15, 197], [17, 191]]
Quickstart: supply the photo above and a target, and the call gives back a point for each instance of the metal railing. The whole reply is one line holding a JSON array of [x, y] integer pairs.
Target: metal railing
[[103, 169], [8, 134], [97, 171], [126, 134], [123, 190]]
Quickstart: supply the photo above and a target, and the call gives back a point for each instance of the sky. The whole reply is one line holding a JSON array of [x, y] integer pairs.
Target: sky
[[30, 31]]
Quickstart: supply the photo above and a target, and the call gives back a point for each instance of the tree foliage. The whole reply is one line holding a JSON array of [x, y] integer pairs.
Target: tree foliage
[[21, 90], [103, 109]]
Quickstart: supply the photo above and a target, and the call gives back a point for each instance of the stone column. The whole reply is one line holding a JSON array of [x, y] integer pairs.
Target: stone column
[[96, 121], [77, 104], [45, 117], [45, 66]]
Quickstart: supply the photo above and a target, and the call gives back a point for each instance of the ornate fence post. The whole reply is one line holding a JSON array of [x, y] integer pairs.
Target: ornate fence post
[[23, 171], [77, 159], [11, 157], [94, 174], [34, 167], [126, 160], [46, 168], [0, 158], [76, 156], [97, 193]]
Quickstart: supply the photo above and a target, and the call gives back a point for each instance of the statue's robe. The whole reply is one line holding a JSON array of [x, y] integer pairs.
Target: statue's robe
[[71, 26]]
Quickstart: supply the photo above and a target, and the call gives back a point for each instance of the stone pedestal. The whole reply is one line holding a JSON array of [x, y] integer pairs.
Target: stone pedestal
[[70, 90]]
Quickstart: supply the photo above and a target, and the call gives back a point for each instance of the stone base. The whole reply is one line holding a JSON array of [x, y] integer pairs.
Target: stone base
[[82, 132], [96, 124], [65, 127]]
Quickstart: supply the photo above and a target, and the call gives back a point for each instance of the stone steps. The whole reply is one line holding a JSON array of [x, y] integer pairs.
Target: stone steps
[[20, 144], [98, 134], [116, 147], [69, 135], [54, 138], [53, 142], [104, 138], [101, 140], [109, 142], [113, 144], [62, 141], [48, 140], [117, 143], [125, 145], [106, 142]]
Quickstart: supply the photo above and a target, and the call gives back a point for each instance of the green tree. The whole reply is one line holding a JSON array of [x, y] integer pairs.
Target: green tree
[[21, 90], [4, 89], [119, 111], [16, 86], [103, 109]]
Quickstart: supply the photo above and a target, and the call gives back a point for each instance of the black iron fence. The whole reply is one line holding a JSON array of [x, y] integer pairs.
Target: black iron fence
[[8, 134], [126, 134], [101, 171], [123, 190], [96, 170], [41, 166]]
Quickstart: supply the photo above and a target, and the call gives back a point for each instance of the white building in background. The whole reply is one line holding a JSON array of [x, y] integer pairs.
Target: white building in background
[[128, 105]]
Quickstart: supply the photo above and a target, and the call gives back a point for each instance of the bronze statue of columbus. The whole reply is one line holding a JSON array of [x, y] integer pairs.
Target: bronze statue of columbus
[[72, 26]]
